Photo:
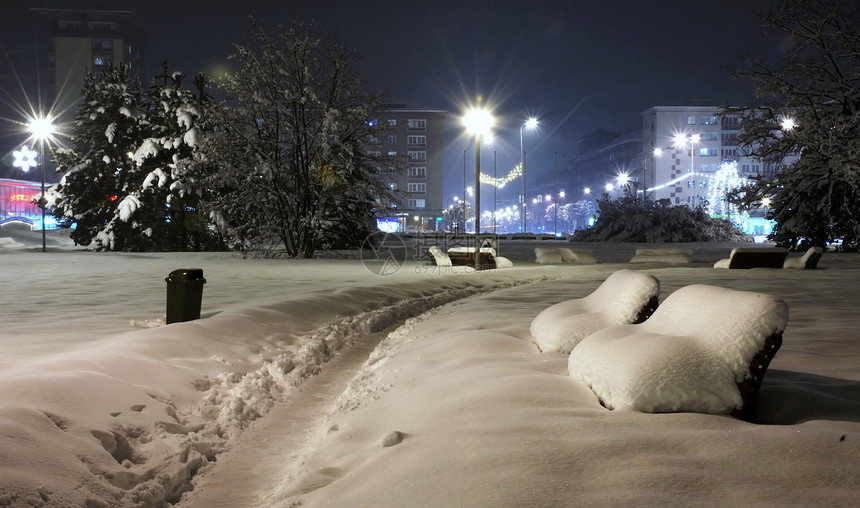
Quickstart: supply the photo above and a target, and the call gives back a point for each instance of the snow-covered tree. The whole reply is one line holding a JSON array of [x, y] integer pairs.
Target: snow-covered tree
[[285, 163], [455, 215], [162, 202], [808, 111], [97, 168], [120, 187]]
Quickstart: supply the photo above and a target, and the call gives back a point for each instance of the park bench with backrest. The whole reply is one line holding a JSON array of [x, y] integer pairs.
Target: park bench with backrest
[[752, 257]]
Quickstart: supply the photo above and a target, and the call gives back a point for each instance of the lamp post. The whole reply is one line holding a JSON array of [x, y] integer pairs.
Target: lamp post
[[681, 142], [478, 123], [495, 185], [41, 129], [657, 153], [555, 194], [531, 123]]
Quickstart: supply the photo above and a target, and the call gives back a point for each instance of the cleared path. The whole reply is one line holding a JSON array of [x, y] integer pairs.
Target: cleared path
[[244, 474]]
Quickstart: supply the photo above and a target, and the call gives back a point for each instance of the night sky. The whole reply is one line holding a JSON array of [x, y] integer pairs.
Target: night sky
[[577, 65]]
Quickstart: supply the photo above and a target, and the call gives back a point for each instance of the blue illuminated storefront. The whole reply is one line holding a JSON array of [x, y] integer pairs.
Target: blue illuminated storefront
[[18, 204]]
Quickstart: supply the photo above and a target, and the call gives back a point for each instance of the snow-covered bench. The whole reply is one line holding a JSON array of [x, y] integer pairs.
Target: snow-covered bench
[[705, 349], [809, 260], [626, 296], [438, 256], [558, 255], [465, 256], [663, 255], [764, 257]]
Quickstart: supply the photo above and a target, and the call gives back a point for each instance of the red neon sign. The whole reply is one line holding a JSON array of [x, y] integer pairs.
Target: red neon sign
[[21, 197]]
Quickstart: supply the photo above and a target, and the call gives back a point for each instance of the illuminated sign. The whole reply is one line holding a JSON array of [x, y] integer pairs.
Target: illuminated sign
[[21, 197]]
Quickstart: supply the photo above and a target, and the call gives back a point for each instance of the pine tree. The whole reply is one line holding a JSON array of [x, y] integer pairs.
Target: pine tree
[[98, 169], [285, 163], [165, 206], [121, 189]]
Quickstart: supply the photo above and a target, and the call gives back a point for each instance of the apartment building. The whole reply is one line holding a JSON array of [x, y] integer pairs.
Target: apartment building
[[418, 136], [685, 146], [81, 41]]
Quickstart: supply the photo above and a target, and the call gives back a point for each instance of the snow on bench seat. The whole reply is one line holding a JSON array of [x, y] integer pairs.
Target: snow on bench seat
[[677, 255], [558, 255], [693, 354], [626, 296], [809, 260]]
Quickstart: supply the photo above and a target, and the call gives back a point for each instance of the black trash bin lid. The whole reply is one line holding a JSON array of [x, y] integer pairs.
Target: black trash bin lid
[[186, 274]]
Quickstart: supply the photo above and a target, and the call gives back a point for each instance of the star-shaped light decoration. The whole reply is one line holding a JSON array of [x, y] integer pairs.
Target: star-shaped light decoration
[[25, 158]]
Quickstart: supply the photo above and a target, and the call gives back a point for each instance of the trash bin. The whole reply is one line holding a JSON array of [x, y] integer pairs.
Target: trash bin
[[184, 294]]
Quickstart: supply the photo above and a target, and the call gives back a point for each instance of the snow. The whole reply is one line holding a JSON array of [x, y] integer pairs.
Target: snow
[[688, 356], [317, 382], [619, 300]]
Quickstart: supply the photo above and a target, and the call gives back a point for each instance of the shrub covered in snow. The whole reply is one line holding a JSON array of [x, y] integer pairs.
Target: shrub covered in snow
[[629, 219]]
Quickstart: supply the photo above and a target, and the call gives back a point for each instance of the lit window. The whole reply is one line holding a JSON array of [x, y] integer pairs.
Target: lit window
[[691, 120]]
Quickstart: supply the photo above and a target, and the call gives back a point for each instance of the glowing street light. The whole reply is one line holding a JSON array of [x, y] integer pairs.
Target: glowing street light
[[478, 122], [608, 187], [531, 123], [787, 123], [681, 142], [42, 129]]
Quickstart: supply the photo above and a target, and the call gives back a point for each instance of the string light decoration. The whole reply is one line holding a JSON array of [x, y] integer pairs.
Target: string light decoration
[[501, 182], [725, 180]]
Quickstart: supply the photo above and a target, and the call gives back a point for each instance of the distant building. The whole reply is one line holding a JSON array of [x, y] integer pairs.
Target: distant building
[[682, 171], [418, 136], [692, 157], [81, 41], [602, 161]]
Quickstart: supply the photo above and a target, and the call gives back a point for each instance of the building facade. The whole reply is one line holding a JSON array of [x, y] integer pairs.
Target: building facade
[[82, 41], [18, 204], [684, 148], [416, 135], [692, 157]]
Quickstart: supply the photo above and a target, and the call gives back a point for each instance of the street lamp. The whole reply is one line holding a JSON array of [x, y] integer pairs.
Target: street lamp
[[41, 129], [681, 142], [478, 122], [531, 123]]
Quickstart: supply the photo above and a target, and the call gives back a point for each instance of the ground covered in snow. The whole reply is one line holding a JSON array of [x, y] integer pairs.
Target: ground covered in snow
[[320, 382]]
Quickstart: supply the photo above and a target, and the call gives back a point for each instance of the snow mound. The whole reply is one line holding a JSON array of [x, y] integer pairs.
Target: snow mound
[[688, 356], [556, 255], [808, 260], [670, 255], [619, 300]]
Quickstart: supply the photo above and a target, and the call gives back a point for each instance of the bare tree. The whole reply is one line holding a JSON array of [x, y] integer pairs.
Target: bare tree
[[805, 124], [286, 164]]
